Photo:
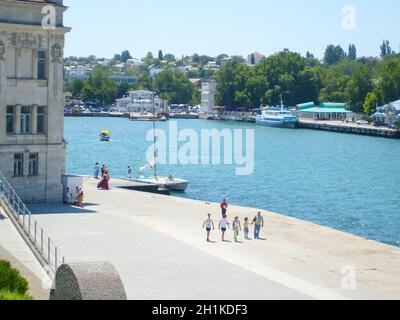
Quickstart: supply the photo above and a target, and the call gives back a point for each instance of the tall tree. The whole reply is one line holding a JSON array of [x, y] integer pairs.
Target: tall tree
[[253, 59], [125, 56], [370, 103], [333, 54], [174, 86], [160, 55], [385, 49], [352, 52], [358, 88]]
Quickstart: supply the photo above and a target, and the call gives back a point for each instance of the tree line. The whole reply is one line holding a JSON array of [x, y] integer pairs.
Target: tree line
[[362, 83]]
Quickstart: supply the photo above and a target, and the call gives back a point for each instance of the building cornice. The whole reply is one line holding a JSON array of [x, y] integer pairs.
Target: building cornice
[[31, 28], [32, 4]]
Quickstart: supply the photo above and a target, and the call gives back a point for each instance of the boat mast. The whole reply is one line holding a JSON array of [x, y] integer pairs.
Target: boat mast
[[281, 102], [154, 136]]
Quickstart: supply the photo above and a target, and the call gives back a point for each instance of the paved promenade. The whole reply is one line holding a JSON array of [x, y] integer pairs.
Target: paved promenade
[[157, 244]]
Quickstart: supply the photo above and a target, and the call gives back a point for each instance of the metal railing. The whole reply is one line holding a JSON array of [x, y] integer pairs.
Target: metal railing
[[41, 241]]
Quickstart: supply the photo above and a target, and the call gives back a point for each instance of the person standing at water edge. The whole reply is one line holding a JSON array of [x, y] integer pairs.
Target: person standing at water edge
[[208, 225], [96, 170], [237, 227], [224, 207], [223, 226], [129, 172], [258, 222]]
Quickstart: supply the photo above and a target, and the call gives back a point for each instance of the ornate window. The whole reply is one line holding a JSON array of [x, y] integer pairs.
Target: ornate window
[[33, 164], [18, 164], [26, 120], [41, 67], [41, 120], [10, 120]]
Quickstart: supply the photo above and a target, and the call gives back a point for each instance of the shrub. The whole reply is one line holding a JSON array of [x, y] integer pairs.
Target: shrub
[[12, 296], [11, 280]]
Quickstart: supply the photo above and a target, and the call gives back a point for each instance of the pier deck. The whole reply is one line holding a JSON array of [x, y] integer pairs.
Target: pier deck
[[157, 244]]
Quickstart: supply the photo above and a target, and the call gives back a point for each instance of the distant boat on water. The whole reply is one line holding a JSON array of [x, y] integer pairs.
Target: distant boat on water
[[105, 136]]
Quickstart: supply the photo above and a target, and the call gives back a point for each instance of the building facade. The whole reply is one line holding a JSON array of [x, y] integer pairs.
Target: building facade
[[208, 93], [141, 101], [32, 145], [325, 111]]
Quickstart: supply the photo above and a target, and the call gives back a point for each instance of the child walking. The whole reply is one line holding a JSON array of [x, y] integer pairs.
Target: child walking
[[223, 226], [246, 229], [237, 228]]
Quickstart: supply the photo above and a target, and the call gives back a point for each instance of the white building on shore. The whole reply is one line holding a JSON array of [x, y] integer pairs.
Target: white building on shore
[[32, 145], [141, 101], [208, 93]]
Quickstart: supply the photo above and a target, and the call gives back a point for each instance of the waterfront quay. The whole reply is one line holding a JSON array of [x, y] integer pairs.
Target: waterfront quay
[[351, 128], [97, 114], [163, 254]]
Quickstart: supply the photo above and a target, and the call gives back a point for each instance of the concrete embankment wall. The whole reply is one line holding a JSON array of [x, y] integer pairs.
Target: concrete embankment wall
[[351, 129]]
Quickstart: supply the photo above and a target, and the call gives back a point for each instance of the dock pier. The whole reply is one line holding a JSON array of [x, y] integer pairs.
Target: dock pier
[[350, 128]]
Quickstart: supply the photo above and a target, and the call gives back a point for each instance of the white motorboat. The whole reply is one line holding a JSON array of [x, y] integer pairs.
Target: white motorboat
[[170, 183]]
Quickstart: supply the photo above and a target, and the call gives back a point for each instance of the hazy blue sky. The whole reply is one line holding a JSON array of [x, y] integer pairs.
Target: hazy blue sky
[[227, 26]]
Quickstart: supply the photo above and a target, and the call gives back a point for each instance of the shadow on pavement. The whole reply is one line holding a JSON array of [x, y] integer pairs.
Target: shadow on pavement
[[61, 209]]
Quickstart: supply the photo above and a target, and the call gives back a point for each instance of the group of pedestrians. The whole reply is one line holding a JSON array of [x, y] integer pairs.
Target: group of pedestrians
[[75, 199], [105, 176], [237, 227]]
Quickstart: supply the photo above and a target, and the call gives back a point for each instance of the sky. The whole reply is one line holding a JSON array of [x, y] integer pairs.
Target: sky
[[234, 27]]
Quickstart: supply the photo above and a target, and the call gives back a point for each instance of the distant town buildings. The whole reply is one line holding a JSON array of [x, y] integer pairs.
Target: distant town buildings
[[83, 74], [208, 93], [257, 58], [141, 101]]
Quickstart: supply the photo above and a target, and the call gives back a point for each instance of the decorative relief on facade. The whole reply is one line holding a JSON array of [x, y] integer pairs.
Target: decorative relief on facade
[[25, 40], [56, 53], [2, 50]]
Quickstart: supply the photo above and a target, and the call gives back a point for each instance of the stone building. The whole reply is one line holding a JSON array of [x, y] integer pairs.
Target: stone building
[[141, 101], [32, 145], [208, 93]]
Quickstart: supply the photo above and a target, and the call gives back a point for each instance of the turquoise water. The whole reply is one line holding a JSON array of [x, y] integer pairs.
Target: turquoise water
[[347, 182]]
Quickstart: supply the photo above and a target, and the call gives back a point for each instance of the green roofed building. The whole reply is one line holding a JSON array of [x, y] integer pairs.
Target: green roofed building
[[325, 111]]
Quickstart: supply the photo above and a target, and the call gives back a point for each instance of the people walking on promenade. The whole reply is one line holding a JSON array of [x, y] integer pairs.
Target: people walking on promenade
[[224, 207], [223, 226], [96, 171], [258, 222], [104, 184], [103, 168], [208, 225], [237, 228], [246, 229]]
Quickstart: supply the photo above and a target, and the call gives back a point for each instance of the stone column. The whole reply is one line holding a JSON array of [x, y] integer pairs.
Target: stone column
[[34, 119], [18, 119]]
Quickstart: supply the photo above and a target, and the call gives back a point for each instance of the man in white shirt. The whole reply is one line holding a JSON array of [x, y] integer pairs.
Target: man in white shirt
[[223, 226], [208, 225]]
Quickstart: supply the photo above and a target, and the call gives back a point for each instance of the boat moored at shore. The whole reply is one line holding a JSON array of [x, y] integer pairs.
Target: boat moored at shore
[[277, 117]]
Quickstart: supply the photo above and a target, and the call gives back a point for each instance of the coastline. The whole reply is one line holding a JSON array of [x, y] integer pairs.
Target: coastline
[[299, 260], [332, 126]]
